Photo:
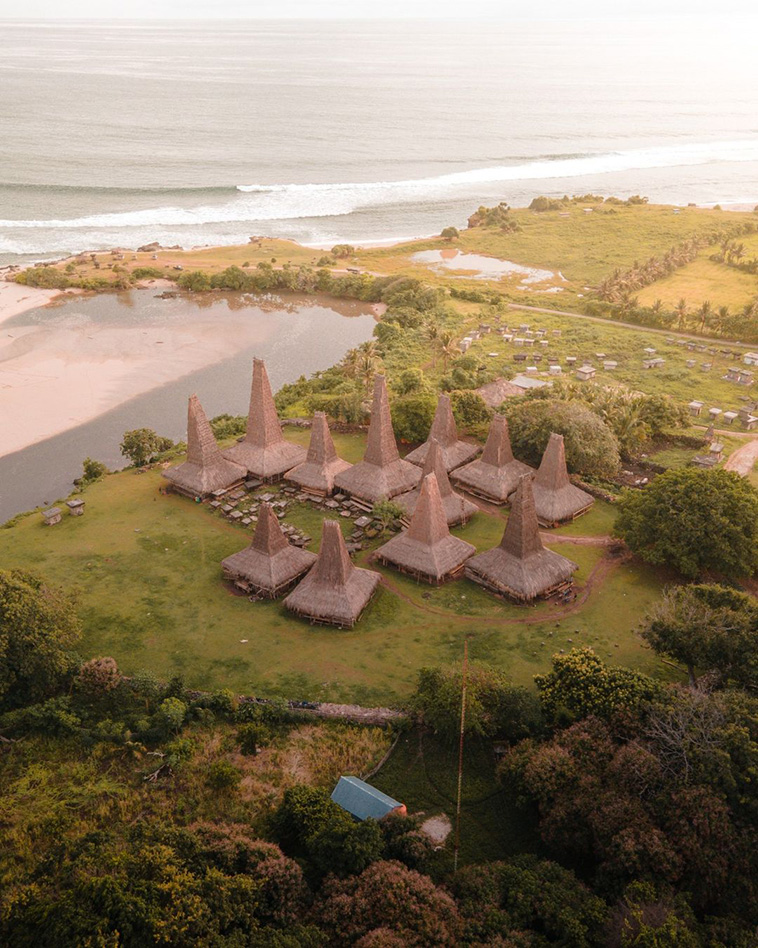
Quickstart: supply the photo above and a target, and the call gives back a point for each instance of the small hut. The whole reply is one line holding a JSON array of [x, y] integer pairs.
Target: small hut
[[454, 452], [205, 471], [381, 474], [521, 569], [458, 509], [495, 474], [316, 474], [556, 499], [270, 565], [76, 507], [334, 592], [364, 802], [427, 550], [263, 451]]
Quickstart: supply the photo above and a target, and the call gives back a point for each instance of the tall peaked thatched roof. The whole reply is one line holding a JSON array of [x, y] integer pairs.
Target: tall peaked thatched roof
[[458, 509], [444, 431], [556, 499], [270, 564], [495, 474], [334, 591], [381, 473], [263, 451], [321, 464], [520, 567], [205, 469], [426, 549]]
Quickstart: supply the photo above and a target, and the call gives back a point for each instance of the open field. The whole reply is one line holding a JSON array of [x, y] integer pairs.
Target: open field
[[146, 566], [701, 280]]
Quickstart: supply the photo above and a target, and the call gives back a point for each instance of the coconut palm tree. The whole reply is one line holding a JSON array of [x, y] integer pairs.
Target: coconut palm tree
[[704, 313], [681, 314], [447, 346]]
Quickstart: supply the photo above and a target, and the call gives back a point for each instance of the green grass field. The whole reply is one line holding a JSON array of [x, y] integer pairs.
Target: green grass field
[[146, 567], [701, 280], [585, 338]]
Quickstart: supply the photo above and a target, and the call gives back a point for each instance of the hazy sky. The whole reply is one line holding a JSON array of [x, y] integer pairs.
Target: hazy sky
[[366, 9]]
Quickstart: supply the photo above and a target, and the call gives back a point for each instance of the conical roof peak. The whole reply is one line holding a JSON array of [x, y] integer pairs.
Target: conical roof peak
[[321, 449], [497, 450], [429, 523], [522, 537], [443, 427], [381, 449], [202, 448], [333, 566], [435, 464], [552, 473], [268, 538], [263, 428]]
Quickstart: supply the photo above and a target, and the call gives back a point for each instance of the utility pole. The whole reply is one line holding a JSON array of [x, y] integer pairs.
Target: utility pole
[[460, 755]]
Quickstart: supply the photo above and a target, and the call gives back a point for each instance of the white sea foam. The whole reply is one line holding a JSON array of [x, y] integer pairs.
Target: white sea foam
[[297, 201]]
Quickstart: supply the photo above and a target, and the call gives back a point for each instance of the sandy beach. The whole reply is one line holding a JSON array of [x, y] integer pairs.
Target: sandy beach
[[15, 299], [55, 377]]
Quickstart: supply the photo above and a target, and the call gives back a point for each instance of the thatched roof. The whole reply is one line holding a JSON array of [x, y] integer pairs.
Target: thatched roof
[[381, 473], [335, 591], [321, 464], [270, 564], [521, 568], [556, 499], [444, 431], [426, 549], [495, 393], [458, 509], [264, 452], [496, 473], [205, 469]]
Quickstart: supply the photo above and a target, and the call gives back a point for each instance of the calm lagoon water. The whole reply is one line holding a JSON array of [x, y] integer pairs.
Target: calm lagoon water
[[299, 336]]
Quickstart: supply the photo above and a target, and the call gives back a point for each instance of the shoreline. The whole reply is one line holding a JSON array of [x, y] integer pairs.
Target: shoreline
[[16, 299]]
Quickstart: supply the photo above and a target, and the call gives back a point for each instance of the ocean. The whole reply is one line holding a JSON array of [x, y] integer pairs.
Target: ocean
[[365, 131]]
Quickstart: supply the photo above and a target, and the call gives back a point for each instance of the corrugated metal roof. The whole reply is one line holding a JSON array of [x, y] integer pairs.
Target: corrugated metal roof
[[362, 800]]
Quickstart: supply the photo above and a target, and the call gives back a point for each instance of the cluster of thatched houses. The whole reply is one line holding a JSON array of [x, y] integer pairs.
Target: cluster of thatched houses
[[328, 587]]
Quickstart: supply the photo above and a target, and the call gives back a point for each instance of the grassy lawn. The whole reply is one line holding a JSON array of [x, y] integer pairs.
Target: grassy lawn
[[701, 280], [584, 247], [146, 568], [423, 772]]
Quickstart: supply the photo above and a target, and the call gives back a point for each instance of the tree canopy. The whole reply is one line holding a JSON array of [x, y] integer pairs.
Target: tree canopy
[[38, 630], [591, 447], [694, 521]]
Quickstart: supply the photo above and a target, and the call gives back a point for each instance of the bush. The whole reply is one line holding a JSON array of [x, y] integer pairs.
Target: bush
[[591, 446], [171, 714], [99, 676], [93, 470], [223, 776], [412, 416], [196, 281], [47, 278], [343, 250]]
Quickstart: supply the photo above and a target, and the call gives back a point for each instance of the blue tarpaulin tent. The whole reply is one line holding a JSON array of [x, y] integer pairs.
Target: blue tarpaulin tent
[[362, 800]]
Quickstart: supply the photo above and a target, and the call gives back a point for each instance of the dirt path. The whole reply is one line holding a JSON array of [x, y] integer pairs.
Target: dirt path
[[615, 322], [598, 575], [743, 459]]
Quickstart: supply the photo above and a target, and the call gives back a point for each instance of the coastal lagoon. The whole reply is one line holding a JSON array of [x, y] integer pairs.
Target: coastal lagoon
[[75, 375]]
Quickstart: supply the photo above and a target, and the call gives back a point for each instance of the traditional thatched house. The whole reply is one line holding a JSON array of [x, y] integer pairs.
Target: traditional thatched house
[[206, 470], [334, 592], [263, 451], [495, 474], [458, 509], [316, 474], [556, 499], [271, 564], [444, 431], [426, 550], [520, 568], [381, 474]]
